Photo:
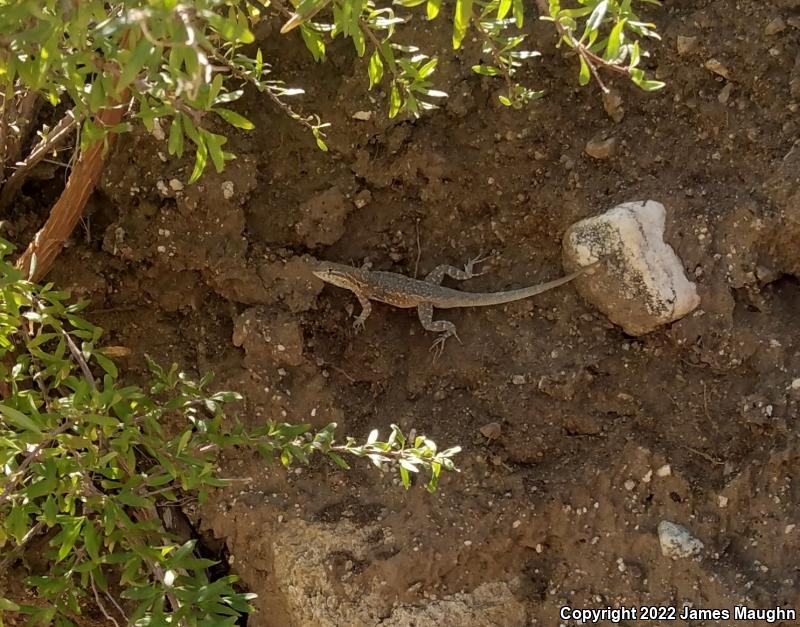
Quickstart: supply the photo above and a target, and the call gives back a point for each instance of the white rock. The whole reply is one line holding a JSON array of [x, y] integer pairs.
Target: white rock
[[664, 471], [677, 541], [642, 284]]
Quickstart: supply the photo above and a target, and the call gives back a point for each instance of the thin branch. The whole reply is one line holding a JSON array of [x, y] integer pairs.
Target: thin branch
[[100, 603], [87, 373], [498, 58], [592, 60], [53, 140], [26, 109], [287, 109]]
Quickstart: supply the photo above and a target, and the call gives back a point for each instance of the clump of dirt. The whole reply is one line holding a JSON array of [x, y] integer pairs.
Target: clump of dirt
[[596, 437]]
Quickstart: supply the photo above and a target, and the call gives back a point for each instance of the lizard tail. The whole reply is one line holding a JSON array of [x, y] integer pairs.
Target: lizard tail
[[500, 298]]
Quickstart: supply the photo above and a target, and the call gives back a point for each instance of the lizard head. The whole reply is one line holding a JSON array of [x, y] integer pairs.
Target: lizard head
[[335, 274]]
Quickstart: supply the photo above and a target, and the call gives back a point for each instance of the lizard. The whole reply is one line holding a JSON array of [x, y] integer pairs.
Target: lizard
[[402, 291]]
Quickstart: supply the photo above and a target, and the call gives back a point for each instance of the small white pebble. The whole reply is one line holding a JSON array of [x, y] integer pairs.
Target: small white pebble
[[467, 542], [516, 524], [176, 185], [664, 471], [227, 190], [647, 477], [518, 379], [630, 484], [722, 501], [789, 528]]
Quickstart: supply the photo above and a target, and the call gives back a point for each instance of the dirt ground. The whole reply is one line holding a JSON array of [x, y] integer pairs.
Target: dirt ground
[[601, 436]]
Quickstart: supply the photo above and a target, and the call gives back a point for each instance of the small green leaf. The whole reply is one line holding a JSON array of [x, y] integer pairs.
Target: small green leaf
[[426, 70], [585, 74], [433, 8], [141, 55], [91, 540], [234, 119], [107, 365], [503, 8], [405, 477], [485, 70], [375, 69], [231, 30], [50, 511], [70, 530], [337, 459], [614, 41], [648, 85], [461, 20], [597, 17], [175, 144], [18, 419], [313, 42], [200, 161], [395, 101], [519, 12]]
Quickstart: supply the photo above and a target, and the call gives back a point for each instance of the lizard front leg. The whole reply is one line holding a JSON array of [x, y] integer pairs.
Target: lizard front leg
[[445, 328], [439, 272], [366, 310]]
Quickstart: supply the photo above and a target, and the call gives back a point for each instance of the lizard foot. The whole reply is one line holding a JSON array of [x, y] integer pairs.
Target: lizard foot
[[437, 348], [470, 265]]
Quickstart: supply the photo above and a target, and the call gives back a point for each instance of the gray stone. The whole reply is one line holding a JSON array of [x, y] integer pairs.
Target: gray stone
[[677, 541]]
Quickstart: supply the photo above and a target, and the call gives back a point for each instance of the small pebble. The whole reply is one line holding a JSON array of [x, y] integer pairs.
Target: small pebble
[[518, 379], [176, 185], [775, 26], [677, 541], [491, 431], [664, 471], [713, 65], [630, 484], [686, 45], [725, 93], [722, 501], [598, 148]]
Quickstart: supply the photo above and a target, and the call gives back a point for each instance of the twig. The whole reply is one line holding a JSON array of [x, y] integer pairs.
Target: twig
[[287, 109], [498, 58], [100, 603], [27, 106], [3, 137], [419, 251], [54, 139], [592, 60], [87, 373]]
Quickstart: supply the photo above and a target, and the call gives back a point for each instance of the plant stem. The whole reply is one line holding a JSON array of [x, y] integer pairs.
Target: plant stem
[[54, 139]]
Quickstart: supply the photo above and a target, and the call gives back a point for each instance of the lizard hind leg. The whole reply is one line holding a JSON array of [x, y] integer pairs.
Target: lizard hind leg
[[445, 328], [439, 272]]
